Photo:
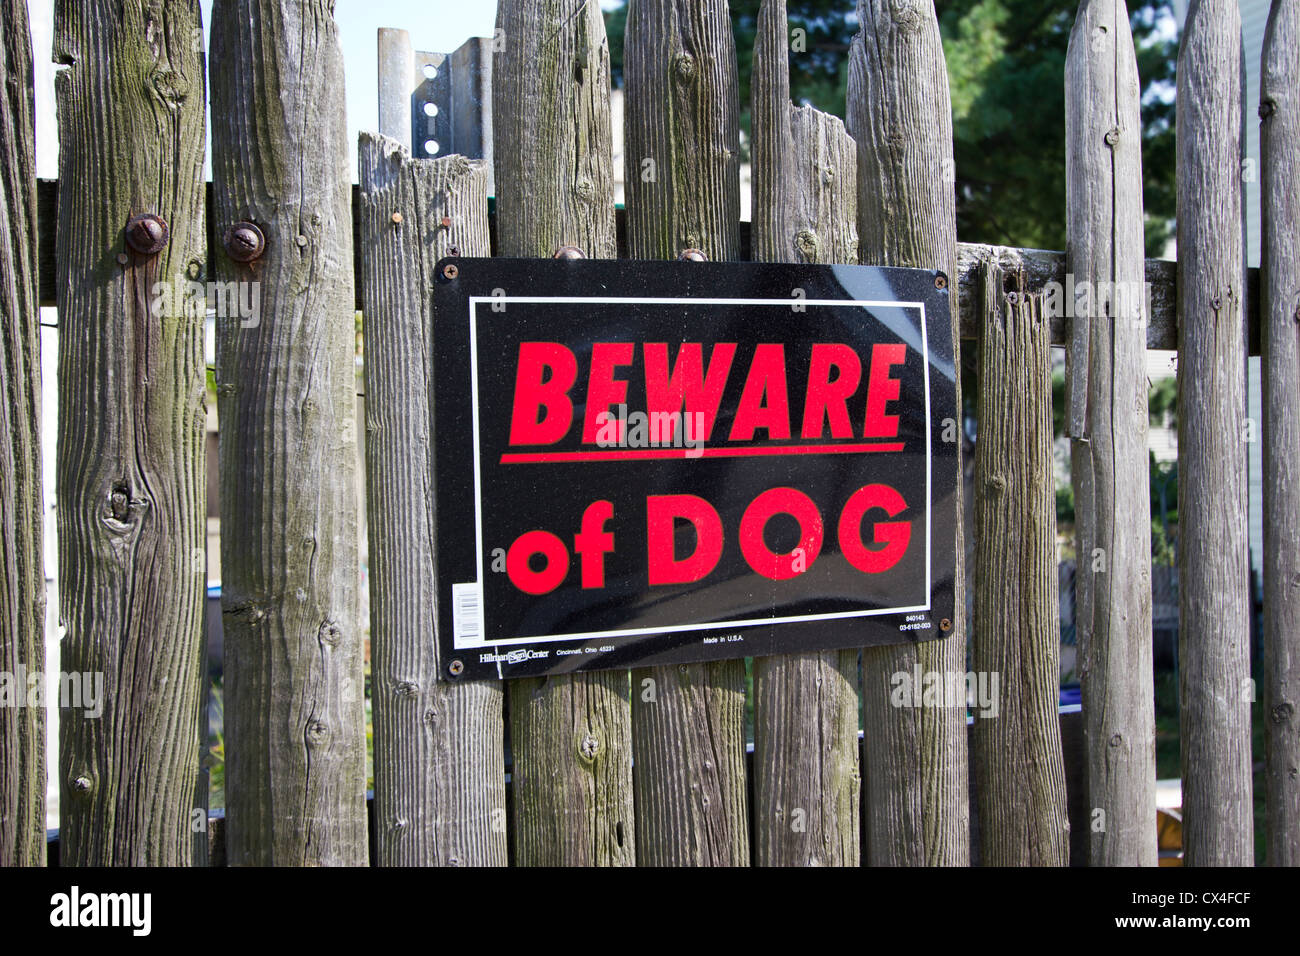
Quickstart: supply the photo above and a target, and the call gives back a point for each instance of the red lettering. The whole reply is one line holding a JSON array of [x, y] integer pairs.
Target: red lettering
[[603, 389], [790, 501], [594, 542], [881, 389], [521, 573], [662, 512], [827, 398], [687, 384], [894, 535], [535, 393], [766, 380]]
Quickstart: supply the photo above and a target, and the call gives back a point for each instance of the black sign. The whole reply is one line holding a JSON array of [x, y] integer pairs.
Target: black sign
[[640, 463]]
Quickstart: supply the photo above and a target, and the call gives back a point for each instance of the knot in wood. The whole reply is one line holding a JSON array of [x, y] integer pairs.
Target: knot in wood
[[119, 504], [1112, 136], [146, 233], [244, 242], [1116, 740], [996, 485], [806, 241], [589, 746], [906, 14], [317, 730], [81, 784], [330, 633], [1267, 109], [406, 688], [584, 189], [1282, 713], [684, 67]]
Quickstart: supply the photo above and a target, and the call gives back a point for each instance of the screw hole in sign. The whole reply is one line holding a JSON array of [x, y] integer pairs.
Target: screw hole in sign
[[431, 147]]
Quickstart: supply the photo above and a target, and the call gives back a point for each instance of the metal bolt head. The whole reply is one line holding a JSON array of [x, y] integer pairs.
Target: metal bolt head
[[450, 271], [146, 234], [569, 252], [244, 242], [81, 784], [456, 668], [302, 242], [941, 281], [691, 255], [1013, 298]]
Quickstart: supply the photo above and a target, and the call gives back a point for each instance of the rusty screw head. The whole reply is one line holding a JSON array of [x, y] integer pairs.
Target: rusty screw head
[[692, 255], [446, 222], [569, 252], [456, 668], [244, 242], [450, 271], [945, 625], [146, 234], [941, 281], [397, 218]]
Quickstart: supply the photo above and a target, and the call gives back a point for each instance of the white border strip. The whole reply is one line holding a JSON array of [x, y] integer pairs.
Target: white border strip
[[677, 628]]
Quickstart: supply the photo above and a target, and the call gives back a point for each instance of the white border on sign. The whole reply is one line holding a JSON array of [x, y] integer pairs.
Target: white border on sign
[[676, 628]]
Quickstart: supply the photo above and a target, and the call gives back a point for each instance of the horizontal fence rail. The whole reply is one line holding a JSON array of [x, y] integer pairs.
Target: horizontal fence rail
[[1040, 266]]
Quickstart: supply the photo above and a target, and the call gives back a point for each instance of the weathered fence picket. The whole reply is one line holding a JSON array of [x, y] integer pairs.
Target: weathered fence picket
[[570, 735], [1279, 112], [807, 779], [683, 192], [916, 792], [22, 513], [1214, 615], [294, 679], [439, 766], [1020, 775], [131, 490], [1107, 424]]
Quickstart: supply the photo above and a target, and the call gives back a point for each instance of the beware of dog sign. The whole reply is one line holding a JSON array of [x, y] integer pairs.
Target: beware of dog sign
[[640, 463]]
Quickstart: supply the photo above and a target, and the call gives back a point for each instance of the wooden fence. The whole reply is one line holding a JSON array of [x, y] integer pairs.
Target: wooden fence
[[613, 768]]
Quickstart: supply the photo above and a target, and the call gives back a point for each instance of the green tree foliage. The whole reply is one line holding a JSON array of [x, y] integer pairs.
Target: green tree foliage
[[1006, 65]]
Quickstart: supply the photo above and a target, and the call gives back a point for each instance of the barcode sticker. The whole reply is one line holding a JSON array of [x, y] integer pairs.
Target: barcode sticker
[[467, 614]]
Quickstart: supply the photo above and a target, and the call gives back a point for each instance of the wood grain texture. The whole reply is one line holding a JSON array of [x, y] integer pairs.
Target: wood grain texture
[[1020, 769], [22, 511], [681, 113], [1214, 625], [1280, 321], [295, 730], [439, 765], [130, 482], [900, 113], [807, 781], [570, 735], [681, 118], [1106, 388], [551, 129]]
